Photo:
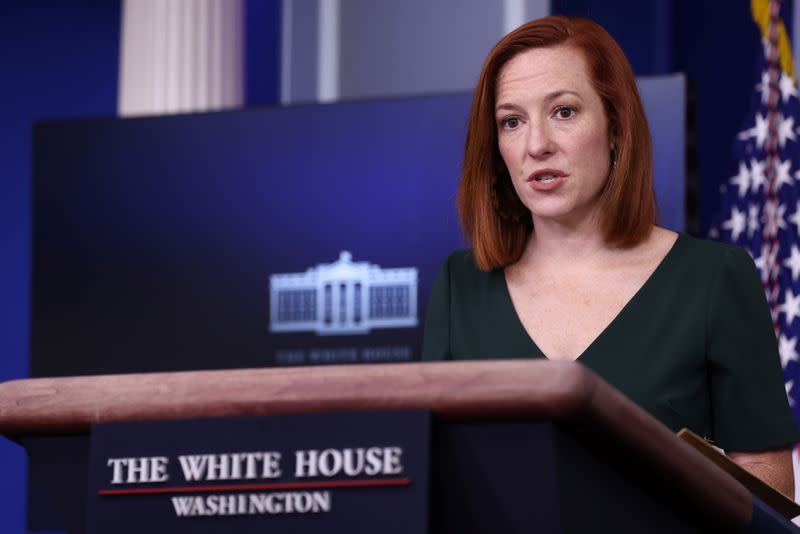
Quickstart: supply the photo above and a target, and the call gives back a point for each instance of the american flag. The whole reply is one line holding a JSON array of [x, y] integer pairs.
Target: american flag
[[760, 204]]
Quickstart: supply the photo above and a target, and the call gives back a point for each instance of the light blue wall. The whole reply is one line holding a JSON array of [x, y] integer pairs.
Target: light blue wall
[[387, 48]]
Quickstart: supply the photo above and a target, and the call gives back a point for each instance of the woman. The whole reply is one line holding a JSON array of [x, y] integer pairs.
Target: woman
[[567, 263]]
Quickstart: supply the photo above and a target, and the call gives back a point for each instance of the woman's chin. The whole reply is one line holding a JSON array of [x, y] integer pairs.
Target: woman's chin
[[563, 215]]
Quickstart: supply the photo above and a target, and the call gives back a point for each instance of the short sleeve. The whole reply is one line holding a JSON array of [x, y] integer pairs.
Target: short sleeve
[[749, 407], [436, 341]]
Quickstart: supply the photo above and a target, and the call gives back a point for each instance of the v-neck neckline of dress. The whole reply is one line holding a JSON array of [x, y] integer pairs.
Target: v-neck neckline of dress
[[619, 317]]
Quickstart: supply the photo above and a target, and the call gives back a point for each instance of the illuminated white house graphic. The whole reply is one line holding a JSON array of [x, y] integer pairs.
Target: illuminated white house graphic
[[343, 297]]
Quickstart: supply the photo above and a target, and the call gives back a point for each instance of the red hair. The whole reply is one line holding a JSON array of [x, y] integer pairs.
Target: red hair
[[494, 220]]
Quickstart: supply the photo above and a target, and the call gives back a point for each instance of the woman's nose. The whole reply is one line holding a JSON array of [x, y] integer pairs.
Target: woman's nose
[[540, 141]]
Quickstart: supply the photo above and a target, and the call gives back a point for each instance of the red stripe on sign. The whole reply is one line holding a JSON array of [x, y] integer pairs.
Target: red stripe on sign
[[368, 483]]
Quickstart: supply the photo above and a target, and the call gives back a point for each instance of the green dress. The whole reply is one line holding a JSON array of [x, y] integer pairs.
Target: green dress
[[694, 347]]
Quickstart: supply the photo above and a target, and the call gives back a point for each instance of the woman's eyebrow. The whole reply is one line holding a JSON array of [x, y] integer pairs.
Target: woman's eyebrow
[[557, 94], [547, 99], [507, 106]]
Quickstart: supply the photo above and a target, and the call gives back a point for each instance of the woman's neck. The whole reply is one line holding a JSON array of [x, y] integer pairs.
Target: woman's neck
[[554, 242]]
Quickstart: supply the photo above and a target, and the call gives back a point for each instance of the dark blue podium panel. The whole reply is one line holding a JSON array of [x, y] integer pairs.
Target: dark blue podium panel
[[522, 477], [312, 473], [283, 236], [504, 476]]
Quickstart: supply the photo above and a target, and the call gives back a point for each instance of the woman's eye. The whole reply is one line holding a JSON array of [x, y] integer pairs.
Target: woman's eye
[[510, 123], [565, 112]]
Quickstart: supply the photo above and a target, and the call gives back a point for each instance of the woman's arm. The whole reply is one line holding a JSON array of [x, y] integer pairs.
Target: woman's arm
[[773, 467]]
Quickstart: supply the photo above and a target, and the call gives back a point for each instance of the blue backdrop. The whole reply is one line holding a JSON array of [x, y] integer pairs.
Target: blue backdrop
[[155, 238]]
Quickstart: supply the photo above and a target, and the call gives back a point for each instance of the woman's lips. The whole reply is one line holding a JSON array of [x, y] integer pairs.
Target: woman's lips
[[546, 180]]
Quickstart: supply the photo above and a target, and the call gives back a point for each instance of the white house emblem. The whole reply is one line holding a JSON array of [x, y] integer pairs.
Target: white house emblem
[[343, 297]]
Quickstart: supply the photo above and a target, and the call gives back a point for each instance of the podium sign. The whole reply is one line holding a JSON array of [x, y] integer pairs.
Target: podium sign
[[308, 473]]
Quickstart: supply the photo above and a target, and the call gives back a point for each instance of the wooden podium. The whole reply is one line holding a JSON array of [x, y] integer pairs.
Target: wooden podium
[[616, 468]]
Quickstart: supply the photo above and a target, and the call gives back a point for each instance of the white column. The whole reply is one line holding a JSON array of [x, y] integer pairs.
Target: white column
[[513, 15], [286, 50], [180, 56], [328, 54]]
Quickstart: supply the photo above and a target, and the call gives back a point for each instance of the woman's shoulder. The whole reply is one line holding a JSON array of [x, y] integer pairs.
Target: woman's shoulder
[[701, 263], [462, 260], [460, 266], [693, 261], [713, 253]]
